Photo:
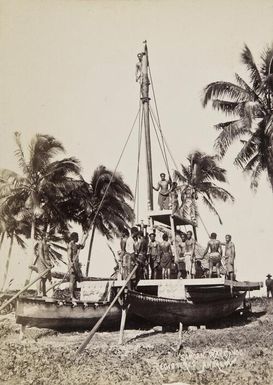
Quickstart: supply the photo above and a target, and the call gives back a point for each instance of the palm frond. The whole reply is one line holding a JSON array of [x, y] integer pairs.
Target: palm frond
[[219, 193], [267, 62], [211, 207], [62, 168], [42, 149], [225, 106], [249, 166], [256, 173], [254, 73], [179, 176], [221, 89], [20, 154], [247, 152], [231, 132]]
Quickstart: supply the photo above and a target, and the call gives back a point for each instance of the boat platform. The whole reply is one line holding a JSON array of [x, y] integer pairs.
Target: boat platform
[[243, 285], [165, 217]]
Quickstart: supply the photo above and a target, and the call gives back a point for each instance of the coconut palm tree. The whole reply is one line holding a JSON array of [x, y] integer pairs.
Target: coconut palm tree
[[250, 106], [200, 173], [35, 195], [106, 205], [13, 231]]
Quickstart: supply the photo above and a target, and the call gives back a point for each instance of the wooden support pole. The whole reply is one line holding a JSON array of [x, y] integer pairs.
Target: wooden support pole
[[180, 334], [96, 327], [22, 332], [122, 325], [173, 238], [24, 289]]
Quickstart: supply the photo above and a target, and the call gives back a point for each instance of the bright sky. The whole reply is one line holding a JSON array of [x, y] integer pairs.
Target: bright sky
[[67, 69]]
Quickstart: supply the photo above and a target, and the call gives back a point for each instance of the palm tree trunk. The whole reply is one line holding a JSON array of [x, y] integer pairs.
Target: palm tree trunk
[[32, 254], [2, 239], [8, 261], [90, 250]]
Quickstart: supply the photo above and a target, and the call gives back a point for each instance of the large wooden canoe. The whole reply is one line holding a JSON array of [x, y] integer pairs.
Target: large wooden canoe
[[168, 311], [190, 301], [54, 314]]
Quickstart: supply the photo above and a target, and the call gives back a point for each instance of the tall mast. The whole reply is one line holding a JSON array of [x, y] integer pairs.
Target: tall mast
[[146, 111]]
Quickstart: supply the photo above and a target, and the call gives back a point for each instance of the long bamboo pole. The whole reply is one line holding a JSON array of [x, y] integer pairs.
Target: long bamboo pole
[[24, 289], [90, 250], [95, 328]]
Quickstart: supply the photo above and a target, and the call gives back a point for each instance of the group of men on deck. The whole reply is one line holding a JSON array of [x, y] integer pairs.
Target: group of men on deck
[[156, 259]]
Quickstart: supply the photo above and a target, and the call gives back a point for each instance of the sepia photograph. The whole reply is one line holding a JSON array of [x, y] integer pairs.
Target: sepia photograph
[[136, 192]]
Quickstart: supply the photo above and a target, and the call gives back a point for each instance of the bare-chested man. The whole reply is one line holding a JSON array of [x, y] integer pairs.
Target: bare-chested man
[[43, 263], [139, 66], [189, 255], [163, 195], [215, 253], [229, 257], [74, 269]]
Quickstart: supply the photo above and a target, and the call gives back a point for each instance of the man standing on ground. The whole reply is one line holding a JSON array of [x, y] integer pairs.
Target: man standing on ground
[[229, 257], [75, 274], [163, 195], [269, 285], [215, 253]]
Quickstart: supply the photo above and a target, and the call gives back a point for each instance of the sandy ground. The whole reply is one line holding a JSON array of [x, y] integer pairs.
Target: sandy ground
[[238, 351]]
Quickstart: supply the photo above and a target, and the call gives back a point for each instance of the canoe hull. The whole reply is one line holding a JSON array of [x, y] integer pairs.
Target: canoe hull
[[165, 311], [41, 313]]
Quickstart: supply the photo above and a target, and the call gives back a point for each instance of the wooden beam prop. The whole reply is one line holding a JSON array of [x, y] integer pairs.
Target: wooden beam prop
[[122, 324], [180, 335], [96, 327], [24, 289], [173, 238]]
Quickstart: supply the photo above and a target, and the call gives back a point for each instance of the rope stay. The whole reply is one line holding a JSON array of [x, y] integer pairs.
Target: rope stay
[[103, 197], [158, 120], [204, 225], [114, 172], [158, 140]]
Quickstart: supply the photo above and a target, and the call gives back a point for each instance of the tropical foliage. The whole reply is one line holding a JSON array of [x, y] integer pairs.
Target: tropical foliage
[[49, 195], [201, 173], [31, 199], [250, 106], [105, 205]]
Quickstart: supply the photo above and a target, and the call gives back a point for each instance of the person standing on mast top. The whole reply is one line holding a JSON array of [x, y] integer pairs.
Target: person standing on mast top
[[139, 67]]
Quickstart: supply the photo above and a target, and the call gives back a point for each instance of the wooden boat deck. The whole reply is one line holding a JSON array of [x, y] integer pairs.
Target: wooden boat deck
[[202, 282]]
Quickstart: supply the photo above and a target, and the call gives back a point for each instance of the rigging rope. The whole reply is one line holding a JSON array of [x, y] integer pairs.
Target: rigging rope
[[114, 172], [158, 119], [204, 225], [168, 148], [103, 197], [160, 146]]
